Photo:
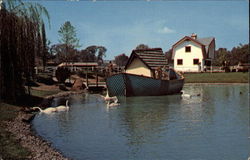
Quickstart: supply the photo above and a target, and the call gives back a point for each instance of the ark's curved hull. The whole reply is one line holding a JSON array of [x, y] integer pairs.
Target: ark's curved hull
[[124, 84]]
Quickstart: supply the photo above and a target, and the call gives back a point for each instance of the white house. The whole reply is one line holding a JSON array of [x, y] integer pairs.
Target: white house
[[193, 54]]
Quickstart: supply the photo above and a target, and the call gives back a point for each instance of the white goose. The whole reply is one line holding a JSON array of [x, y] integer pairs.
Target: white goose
[[113, 103], [62, 107], [107, 98], [47, 110], [184, 95]]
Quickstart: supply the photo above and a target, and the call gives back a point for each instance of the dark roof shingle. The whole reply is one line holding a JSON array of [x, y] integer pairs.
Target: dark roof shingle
[[153, 58]]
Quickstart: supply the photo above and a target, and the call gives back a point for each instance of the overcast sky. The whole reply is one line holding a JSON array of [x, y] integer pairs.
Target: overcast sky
[[121, 25]]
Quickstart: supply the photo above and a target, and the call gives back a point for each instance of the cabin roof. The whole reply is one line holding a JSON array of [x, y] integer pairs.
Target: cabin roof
[[152, 58]]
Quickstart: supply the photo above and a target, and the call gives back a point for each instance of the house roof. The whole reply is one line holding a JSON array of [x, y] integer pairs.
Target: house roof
[[152, 58], [206, 42], [203, 42]]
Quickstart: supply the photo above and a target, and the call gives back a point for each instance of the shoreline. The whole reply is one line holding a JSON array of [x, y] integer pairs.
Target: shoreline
[[21, 129]]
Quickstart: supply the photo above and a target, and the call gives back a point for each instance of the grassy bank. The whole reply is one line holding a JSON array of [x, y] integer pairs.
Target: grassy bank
[[10, 148], [231, 77]]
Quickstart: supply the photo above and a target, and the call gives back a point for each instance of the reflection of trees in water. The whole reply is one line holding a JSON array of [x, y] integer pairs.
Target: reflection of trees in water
[[145, 118]]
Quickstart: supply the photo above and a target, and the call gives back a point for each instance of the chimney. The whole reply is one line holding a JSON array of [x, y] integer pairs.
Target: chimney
[[194, 36]]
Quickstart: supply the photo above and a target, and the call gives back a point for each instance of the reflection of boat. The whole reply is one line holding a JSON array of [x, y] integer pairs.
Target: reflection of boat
[[141, 78]]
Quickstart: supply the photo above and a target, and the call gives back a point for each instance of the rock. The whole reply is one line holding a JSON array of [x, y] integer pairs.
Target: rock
[[78, 85], [28, 117]]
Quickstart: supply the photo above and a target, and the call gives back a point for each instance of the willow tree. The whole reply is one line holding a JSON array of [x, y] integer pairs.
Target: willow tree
[[20, 41]]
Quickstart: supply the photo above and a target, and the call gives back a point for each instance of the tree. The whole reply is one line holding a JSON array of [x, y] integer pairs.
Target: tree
[[67, 33], [222, 55], [240, 54], [59, 50], [121, 59], [21, 41], [93, 54], [142, 46]]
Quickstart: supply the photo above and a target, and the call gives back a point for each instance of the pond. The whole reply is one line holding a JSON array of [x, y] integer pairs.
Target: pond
[[211, 126]]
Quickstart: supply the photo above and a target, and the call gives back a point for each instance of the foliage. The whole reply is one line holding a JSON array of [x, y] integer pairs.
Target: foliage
[[68, 37], [121, 59], [59, 51], [35, 12], [240, 54], [142, 46], [20, 42], [67, 33], [62, 74], [222, 55], [94, 54], [19, 45], [233, 57]]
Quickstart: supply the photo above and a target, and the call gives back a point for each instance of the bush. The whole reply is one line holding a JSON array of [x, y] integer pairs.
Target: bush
[[62, 74]]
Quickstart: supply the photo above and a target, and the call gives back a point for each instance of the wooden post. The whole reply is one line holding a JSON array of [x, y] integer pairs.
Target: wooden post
[[96, 79], [87, 79]]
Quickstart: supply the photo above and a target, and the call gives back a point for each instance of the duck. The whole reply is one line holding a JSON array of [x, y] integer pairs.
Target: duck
[[62, 107], [184, 95], [47, 110]]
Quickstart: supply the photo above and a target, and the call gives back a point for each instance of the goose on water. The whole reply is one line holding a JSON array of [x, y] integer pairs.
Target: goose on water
[[108, 98], [62, 107], [53, 109], [185, 95], [47, 110], [113, 104]]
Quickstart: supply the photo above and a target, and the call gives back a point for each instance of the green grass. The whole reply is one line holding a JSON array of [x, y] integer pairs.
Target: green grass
[[39, 93], [231, 77], [9, 147]]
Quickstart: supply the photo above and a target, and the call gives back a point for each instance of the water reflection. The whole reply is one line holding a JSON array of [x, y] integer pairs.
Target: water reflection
[[213, 125]]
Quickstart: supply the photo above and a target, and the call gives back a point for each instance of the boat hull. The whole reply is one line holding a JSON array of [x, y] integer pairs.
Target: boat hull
[[124, 84]]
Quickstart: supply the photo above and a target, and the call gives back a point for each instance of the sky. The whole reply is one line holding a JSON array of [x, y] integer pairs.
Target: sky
[[122, 25]]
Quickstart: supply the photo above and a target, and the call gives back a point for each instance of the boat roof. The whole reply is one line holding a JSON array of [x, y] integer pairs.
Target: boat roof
[[152, 57]]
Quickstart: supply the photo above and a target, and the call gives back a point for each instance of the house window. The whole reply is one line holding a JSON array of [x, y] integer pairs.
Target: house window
[[196, 61], [188, 48], [179, 61]]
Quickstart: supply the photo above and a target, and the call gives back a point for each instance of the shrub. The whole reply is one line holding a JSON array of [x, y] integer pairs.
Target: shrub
[[62, 74]]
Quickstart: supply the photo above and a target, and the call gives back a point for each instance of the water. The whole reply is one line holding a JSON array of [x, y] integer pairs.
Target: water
[[212, 126]]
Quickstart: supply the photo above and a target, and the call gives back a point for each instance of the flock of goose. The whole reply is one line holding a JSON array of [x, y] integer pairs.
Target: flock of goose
[[110, 101], [54, 109]]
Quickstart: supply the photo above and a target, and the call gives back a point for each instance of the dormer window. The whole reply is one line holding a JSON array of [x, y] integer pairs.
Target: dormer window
[[188, 49]]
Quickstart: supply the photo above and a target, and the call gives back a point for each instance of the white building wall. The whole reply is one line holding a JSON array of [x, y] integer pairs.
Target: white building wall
[[139, 68], [188, 57]]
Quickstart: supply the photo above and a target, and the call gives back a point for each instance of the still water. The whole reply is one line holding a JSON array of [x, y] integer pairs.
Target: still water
[[212, 126]]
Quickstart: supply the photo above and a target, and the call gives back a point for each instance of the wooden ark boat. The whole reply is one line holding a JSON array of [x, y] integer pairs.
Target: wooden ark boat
[[141, 79]]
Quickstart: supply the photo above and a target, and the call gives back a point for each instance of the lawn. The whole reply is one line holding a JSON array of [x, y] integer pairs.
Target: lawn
[[230, 77]]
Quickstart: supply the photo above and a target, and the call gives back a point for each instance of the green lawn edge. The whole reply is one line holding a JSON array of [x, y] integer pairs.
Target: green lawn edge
[[231, 77]]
